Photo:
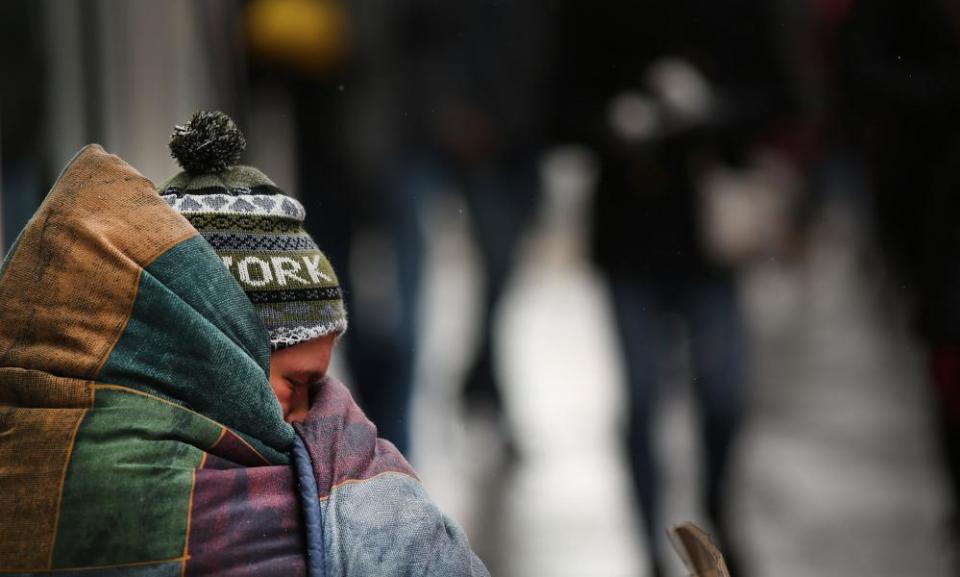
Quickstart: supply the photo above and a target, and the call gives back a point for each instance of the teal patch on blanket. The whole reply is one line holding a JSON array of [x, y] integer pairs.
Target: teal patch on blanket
[[195, 339]]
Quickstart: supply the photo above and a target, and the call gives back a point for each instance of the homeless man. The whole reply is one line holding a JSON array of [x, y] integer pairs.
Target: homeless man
[[164, 403]]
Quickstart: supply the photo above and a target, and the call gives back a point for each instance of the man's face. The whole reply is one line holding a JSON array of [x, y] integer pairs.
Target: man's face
[[295, 369]]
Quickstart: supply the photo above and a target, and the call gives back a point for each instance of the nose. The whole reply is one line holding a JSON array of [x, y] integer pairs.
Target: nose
[[299, 405]]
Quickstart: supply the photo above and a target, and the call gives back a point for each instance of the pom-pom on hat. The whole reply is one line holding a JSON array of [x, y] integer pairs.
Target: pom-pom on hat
[[256, 230], [210, 142]]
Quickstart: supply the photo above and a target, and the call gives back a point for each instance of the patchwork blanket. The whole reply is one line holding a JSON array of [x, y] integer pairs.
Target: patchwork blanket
[[139, 435]]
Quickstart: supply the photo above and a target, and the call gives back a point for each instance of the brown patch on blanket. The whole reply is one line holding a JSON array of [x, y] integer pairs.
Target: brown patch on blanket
[[66, 295]]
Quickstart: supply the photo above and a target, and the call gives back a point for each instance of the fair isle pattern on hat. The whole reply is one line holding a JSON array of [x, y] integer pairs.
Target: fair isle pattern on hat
[[241, 203], [257, 231]]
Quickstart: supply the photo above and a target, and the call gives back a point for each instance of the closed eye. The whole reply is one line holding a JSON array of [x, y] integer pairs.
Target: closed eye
[[308, 383]]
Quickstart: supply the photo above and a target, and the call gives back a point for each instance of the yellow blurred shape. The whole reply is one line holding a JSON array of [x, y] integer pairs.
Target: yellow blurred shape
[[309, 35]]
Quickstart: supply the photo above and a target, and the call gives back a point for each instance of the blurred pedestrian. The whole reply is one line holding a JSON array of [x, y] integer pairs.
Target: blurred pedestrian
[[468, 115], [313, 49], [661, 93], [23, 111]]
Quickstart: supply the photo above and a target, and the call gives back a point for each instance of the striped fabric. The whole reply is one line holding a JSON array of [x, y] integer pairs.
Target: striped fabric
[[139, 435]]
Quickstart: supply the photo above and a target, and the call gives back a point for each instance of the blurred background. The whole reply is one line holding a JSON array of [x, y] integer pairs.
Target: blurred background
[[610, 265]]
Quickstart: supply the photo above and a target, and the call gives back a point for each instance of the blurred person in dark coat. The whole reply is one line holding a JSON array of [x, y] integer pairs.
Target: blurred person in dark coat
[[23, 159], [661, 92], [314, 50], [903, 80], [469, 116]]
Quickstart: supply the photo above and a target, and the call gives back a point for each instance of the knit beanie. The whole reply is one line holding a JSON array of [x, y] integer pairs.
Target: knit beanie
[[256, 230]]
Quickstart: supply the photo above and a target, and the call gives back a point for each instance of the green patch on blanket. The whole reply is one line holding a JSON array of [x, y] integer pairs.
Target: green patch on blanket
[[172, 569], [141, 452]]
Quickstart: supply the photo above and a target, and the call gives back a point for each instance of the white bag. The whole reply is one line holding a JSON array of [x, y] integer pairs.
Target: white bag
[[747, 214]]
